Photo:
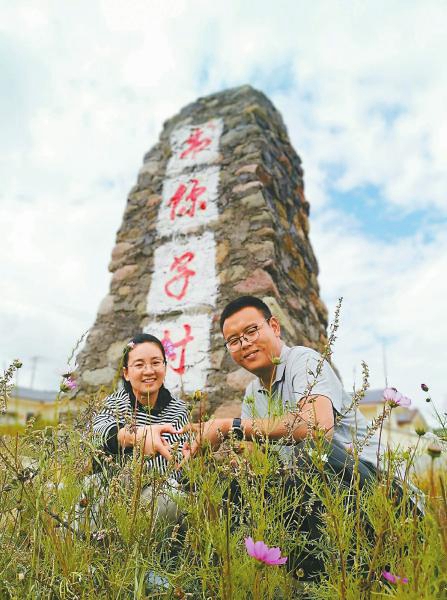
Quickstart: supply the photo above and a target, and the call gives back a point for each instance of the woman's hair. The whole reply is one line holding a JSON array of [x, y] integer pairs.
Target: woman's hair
[[141, 338], [164, 396]]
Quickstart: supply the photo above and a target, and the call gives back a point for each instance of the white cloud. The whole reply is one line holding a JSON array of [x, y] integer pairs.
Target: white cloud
[[394, 297]]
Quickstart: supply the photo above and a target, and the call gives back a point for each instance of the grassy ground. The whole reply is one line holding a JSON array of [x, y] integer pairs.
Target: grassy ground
[[62, 537]]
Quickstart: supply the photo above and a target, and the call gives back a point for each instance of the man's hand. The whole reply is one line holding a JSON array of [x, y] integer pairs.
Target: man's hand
[[150, 438], [212, 431]]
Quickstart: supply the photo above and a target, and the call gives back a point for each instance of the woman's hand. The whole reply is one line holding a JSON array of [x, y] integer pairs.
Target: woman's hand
[[212, 431], [150, 438]]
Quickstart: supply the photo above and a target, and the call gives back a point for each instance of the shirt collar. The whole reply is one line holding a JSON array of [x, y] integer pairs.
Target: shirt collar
[[163, 400], [279, 373]]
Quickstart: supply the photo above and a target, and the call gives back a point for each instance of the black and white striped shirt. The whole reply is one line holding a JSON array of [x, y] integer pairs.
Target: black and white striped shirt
[[120, 410]]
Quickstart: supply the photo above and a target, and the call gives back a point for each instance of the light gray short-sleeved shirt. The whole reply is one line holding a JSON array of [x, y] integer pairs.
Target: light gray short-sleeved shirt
[[291, 383]]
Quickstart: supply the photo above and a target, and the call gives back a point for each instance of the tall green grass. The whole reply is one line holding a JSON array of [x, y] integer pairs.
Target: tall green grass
[[62, 538], [65, 534]]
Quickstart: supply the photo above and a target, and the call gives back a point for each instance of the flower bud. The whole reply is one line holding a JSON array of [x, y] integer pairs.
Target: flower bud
[[434, 451], [424, 387]]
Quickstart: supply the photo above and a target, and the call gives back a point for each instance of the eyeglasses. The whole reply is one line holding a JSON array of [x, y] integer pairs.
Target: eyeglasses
[[140, 365], [251, 334]]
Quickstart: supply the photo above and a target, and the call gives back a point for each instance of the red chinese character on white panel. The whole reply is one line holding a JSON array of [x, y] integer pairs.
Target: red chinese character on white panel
[[186, 341], [171, 348], [194, 145], [189, 200], [177, 285], [184, 274], [186, 198]]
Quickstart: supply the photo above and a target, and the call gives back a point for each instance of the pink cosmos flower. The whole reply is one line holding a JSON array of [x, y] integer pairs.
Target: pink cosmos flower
[[394, 578], [395, 398], [169, 349], [261, 552], [70, 383]]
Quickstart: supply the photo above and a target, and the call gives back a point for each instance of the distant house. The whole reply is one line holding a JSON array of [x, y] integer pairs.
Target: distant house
[[400, 428], [25, 403]]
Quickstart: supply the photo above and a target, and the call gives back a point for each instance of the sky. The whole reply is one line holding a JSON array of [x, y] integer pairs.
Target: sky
[[86, 86]]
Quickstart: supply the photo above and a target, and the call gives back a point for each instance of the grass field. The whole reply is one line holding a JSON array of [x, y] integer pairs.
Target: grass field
[[69, 533]]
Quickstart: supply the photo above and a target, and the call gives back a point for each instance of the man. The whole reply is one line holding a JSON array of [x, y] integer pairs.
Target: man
[[295, 398], [296, 392]]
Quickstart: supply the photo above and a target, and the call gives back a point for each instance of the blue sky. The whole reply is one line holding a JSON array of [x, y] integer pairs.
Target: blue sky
[[85, 88], [368, 212]]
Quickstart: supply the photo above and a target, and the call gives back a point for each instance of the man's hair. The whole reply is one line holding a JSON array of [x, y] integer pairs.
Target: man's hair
[[243, 302]]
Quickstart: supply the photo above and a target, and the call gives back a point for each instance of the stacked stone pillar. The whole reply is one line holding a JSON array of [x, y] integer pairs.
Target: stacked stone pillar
[[218, 211]]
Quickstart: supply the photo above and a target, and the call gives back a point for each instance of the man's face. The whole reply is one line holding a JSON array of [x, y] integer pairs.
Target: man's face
[[255, 356]]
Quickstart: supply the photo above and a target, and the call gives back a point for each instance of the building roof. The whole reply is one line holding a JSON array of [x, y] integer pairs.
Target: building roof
[[404, 416], [373, 396], [34, 395], [407, 416]]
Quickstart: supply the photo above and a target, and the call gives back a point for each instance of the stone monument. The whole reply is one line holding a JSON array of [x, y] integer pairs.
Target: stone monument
[[218, 211]]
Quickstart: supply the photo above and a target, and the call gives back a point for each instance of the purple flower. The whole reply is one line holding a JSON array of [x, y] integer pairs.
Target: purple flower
[[395, 398], [394, 578], [261, 552], [71, 383], [68, 383], [169, 349]]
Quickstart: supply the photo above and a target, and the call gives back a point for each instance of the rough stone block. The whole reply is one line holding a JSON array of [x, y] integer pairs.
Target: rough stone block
[[283, 318], [124, 273], [254, 201], [106, 305], [238, 380], [259, 282], [241, 188], [120, 250], [115, 352], [99, 377], [247, 169]]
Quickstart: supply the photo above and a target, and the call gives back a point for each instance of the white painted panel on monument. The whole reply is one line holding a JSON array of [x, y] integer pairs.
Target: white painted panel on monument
[[188, 201], [194, 145], [186, 341], [184, 275]]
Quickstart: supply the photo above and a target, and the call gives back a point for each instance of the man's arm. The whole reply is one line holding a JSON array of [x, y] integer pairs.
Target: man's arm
[[313, 413]]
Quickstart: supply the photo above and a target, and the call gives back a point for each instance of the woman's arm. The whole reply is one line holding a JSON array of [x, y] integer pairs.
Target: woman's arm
[[149, 437]]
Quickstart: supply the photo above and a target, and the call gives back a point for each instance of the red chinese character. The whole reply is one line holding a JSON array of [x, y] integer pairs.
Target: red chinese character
[[170, 347], [195, 144], [192, 197], [179, 264]]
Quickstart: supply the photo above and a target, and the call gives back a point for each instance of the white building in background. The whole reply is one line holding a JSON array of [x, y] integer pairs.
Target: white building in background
[[26, 403], [400, 427]]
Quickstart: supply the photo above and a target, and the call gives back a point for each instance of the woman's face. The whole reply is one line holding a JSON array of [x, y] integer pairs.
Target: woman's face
[[146, 372]]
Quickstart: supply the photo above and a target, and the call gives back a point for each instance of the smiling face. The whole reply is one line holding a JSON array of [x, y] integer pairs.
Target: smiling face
[[145, 372], [254, 356]]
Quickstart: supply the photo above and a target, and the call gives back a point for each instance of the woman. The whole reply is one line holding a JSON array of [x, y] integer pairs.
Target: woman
[[144, 413]]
